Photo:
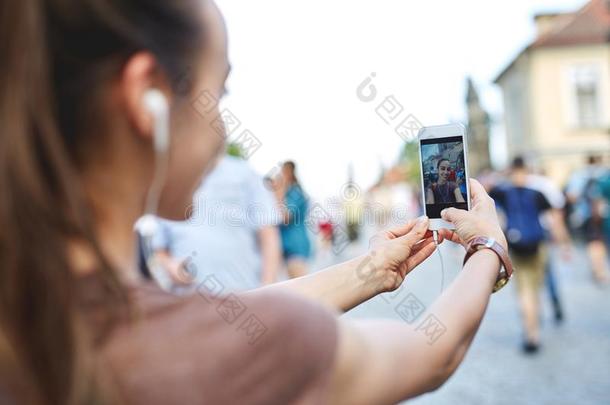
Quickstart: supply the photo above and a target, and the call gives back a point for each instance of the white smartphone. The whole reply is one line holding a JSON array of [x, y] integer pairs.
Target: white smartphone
[[443, 153]]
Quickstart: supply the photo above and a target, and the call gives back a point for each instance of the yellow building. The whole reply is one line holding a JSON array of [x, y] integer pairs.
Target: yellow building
[[556, 92]]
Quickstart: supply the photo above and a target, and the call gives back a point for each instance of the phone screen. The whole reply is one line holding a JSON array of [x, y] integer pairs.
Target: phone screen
[[444, 171]]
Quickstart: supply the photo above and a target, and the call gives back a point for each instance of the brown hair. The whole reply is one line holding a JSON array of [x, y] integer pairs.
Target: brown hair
[[55, 56], [293, 169]]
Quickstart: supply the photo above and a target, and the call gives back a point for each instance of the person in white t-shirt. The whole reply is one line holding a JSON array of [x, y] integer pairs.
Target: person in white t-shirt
[[232, 238]]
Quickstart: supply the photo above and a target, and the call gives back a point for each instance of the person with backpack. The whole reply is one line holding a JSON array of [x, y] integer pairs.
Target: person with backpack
[[522, 207], [587, 216], [555, 227], [600, 206]]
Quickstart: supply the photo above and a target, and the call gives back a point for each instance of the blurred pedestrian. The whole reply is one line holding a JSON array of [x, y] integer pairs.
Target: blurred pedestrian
[[582, 194], [296, 247], [522, 207], [555, 225], [601, 202], [233, 212]]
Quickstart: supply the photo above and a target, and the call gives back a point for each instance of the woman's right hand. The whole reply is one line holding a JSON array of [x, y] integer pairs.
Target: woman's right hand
[[481, 220]]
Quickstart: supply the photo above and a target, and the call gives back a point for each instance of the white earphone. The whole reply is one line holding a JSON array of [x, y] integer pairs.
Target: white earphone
[[148, 226], [156, 103]]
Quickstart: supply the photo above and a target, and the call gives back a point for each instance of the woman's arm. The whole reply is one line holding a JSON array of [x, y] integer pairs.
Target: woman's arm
[[271, 253], [393, 255], [429, 196], [458, 195], [346, 285], [383, 362]]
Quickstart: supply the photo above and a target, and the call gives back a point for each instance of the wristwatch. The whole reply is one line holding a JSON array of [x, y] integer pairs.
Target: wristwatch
[[483, 242]]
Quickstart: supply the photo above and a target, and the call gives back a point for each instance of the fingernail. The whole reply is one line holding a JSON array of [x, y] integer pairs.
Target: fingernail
[[422, 219]]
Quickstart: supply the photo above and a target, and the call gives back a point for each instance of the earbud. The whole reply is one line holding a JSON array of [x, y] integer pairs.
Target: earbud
[[156, 103], [147, 226]]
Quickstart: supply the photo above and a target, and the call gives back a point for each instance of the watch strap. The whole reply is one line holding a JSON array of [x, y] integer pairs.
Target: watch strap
[[483, 242]]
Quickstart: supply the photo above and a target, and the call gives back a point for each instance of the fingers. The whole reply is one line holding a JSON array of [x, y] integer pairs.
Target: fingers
[[453, 215], [403, 229], [421, 255], [451, 235], [478, 193], [430, 234], [421, 244], [417, 232]]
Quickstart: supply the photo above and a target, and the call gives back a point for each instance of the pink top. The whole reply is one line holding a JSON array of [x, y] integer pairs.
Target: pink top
[[256, 348]]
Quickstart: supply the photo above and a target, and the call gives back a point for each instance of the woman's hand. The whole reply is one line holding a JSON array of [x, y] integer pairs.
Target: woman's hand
[[481, 220], [394, 253]]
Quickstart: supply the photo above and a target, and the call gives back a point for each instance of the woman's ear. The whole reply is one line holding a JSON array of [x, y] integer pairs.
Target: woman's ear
[[139, 75]]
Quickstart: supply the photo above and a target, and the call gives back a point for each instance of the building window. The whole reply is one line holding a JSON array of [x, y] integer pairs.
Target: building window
[[586, 110]]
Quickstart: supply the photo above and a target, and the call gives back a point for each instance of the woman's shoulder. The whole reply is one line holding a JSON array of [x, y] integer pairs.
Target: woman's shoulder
[[208, 339]]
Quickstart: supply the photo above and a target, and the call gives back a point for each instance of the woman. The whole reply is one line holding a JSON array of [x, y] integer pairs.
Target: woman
[[444, 191], [78, 324], [296, 247]]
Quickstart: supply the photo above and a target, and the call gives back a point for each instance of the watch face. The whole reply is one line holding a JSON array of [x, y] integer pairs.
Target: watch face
[[500, 283]]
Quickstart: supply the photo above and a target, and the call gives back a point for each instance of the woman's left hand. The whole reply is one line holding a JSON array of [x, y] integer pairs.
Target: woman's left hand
[[394, 253]]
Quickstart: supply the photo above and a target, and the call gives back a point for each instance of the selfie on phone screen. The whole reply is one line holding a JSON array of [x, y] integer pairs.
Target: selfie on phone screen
[[444, 174]]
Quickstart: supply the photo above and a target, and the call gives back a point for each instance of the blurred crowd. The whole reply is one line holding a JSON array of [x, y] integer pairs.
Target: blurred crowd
[[265, 229]]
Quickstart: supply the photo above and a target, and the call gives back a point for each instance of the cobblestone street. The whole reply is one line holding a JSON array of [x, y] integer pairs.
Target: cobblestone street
[[572, 367]]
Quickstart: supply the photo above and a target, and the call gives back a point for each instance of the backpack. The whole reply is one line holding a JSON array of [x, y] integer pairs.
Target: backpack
[[523, 228]]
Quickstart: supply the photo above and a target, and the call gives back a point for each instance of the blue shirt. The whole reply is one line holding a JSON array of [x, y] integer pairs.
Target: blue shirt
[[295, 241]]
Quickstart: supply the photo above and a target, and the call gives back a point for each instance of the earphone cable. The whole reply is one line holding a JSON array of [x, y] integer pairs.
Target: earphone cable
[[440, 257]]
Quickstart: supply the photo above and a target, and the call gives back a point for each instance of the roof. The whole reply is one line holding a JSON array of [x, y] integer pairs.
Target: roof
[[587, 26]]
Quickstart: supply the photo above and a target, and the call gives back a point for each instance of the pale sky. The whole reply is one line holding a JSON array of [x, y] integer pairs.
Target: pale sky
[[297, 64]]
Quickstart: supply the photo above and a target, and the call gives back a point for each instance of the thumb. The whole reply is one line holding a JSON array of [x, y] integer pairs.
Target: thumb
[[418, 232], [453, 215]]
